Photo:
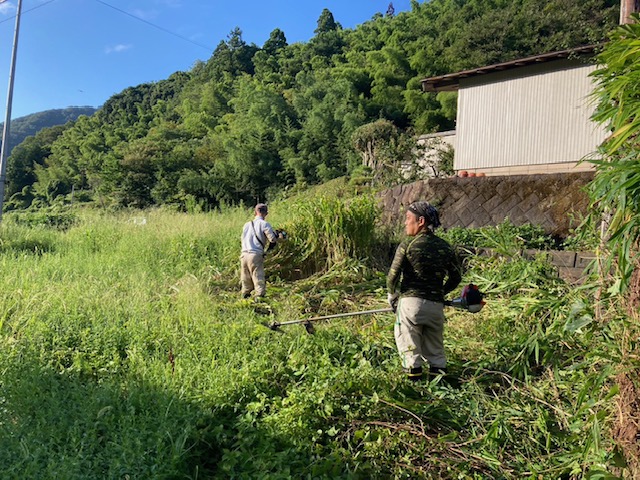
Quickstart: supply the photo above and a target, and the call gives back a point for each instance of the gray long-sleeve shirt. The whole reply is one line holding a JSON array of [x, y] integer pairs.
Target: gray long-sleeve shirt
[[257, 242]]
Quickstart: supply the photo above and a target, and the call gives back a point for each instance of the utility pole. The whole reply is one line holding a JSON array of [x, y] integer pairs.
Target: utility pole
[[7, 121], [627, 7]]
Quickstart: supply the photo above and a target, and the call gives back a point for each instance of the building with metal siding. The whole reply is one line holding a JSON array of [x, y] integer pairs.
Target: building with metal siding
[[526, 116]]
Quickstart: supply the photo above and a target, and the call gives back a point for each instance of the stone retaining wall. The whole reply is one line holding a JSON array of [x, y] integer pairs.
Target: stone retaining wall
[[571, 265], [557, 202]]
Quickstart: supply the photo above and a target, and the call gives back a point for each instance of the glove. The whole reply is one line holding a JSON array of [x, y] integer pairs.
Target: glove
[[392, 299]]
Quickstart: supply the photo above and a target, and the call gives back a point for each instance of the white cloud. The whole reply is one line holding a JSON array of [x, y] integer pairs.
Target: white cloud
[[117, 48], [144, 14], [6, 8]]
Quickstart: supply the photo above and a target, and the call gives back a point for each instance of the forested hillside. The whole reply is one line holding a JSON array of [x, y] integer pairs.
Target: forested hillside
[[253, 121], [28, 125]]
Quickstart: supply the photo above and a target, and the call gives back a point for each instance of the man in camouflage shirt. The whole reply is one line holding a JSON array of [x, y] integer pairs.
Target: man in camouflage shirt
[[426, 268]]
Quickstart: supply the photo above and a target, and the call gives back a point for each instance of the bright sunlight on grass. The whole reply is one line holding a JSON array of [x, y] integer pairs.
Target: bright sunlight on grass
[[127, 352]]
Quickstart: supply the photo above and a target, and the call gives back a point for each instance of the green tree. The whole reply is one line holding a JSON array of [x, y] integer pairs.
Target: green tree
[[386, 152], [328, 110], [233, 56], [205, 103], [369, 141], [253, 136], [329, 38], [276, 41], [33, 151], [29, 125], [391, 72], [150, 167], [75, 156], [326, 23]]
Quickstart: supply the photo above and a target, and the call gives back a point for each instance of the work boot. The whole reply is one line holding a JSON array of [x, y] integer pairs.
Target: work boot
[[435, 371], [414, 374]]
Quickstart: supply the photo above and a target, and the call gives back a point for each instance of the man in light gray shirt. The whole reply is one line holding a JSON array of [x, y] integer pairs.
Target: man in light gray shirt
[[258, 236]]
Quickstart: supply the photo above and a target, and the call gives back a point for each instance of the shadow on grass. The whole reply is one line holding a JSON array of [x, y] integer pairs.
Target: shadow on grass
[[55, 425]]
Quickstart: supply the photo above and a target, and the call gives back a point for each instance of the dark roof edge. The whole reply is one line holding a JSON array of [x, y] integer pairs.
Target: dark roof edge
[[450, 81]]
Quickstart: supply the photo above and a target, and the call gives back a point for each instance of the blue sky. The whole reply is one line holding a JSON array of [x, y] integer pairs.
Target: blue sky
[[81, 52]]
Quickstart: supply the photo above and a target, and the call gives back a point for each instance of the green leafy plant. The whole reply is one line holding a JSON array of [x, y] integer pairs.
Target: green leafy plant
[[60, 218], [133, 324], [615, 190], [503, 237], [327, 231]]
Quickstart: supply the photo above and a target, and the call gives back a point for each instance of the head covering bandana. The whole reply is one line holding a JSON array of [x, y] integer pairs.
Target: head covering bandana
[[426, 210]]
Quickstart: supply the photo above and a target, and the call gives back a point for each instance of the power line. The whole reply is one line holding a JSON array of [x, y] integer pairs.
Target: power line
[[208, 48], [27, 11]]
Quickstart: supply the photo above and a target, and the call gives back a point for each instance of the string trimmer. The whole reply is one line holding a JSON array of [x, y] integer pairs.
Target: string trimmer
[[307, 322], [470, 300]]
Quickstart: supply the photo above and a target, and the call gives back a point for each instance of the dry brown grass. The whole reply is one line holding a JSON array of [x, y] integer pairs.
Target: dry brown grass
[[626, 432]]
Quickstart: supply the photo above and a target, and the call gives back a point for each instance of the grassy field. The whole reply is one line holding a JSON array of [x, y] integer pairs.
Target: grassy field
[[127, 353]]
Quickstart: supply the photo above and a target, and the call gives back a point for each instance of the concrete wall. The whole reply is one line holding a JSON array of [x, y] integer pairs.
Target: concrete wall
[[431, 147], [566, 167], [557, 202]]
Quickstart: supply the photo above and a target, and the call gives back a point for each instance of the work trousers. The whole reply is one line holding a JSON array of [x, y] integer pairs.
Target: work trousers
[[252, 273], [419, 332]]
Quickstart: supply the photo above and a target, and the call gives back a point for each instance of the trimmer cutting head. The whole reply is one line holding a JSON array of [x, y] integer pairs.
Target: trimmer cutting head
[[275, 326]]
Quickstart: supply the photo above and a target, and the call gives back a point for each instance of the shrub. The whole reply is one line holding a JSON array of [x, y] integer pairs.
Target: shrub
[[52, 217], [504, 236]]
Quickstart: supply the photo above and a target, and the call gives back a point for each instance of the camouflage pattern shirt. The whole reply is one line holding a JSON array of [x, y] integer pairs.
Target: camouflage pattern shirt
[[426, 266]]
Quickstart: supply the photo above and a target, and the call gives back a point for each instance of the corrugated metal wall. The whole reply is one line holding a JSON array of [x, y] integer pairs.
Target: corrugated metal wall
[[533, 115]]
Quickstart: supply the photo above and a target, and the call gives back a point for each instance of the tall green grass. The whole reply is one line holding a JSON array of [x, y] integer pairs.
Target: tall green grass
[[327, 231], [126, 352]]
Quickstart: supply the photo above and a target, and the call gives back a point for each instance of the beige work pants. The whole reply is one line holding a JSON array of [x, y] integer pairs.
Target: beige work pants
[[252, 274], [419, 332]]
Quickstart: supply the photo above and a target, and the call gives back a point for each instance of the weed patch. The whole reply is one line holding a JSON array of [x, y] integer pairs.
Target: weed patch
[[127, 351]]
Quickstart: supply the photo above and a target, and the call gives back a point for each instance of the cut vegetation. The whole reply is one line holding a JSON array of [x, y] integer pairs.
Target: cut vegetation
[[127, 353]]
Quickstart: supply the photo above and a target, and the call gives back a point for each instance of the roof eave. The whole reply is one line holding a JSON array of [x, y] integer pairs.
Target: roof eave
[[450, 82]]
